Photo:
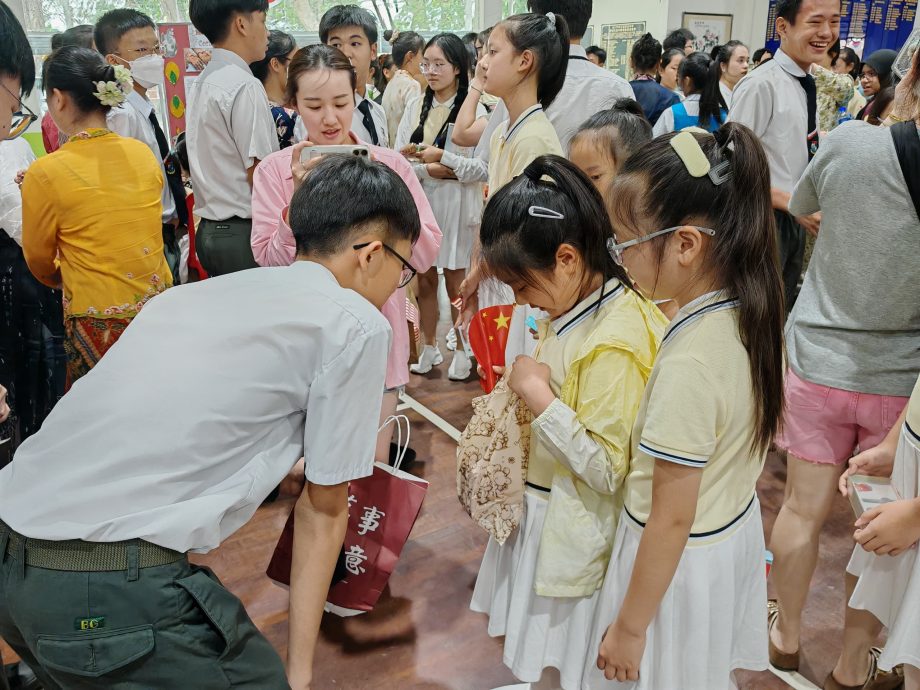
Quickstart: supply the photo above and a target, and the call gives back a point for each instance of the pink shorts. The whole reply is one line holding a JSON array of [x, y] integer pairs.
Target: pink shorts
[[827, 425]]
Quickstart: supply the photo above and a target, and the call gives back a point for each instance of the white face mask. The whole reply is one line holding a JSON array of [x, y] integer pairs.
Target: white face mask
[[148, 70]]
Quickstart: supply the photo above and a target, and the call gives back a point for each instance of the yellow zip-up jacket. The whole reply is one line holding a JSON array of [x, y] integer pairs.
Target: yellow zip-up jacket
[[588, 431]]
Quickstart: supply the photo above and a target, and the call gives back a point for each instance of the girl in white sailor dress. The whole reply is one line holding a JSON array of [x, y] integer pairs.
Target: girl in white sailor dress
[[684, 600], [545, 235], [886, 559]]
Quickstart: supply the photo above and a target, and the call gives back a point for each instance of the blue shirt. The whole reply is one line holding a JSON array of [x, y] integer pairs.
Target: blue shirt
[[653, 98]]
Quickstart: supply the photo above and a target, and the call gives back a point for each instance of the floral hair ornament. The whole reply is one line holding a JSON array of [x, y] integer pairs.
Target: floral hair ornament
[[552, 18], [696, 162], [114, 93], [541, 212]]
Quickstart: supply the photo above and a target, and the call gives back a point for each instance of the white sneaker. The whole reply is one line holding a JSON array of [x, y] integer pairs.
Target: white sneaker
[[431, 357], [451, 340], [460, 367]]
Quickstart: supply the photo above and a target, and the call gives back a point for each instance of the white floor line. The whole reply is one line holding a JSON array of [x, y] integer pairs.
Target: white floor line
[[411, 403], [794, 680], [407, 402]]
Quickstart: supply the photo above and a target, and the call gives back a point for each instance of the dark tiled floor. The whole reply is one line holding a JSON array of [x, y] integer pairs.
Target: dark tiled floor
[[422, 636]]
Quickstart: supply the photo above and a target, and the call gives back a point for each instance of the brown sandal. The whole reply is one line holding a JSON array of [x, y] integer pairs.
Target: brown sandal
[[779, 660], [877, 679]]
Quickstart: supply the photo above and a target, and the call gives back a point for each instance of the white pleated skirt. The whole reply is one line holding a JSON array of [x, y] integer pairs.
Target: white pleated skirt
[[889, 587], [458, 209], [712, 619], [540, 632]]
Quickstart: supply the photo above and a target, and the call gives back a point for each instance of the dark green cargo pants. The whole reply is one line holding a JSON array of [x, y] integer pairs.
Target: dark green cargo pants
[[170, 626]]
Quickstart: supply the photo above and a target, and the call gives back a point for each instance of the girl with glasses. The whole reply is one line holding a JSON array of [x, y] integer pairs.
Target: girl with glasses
[[321, 87], [545, 235], [424, 136], [693, 223]]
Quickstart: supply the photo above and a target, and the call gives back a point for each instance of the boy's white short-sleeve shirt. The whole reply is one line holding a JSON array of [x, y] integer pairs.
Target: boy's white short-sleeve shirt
[[202, 407], [229, 128]]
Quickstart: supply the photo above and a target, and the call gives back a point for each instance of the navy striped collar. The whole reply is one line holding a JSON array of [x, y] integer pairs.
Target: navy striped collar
[[706, 304], [584, 309], [526, 115]]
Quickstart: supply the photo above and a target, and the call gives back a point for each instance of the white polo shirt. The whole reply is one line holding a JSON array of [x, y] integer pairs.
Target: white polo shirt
[[771, 101], [132, 119], [378, 115], [587, 90], [202, 407], [229, 128]]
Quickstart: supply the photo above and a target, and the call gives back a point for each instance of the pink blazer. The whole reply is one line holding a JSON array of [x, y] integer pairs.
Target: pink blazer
[[273, 242]]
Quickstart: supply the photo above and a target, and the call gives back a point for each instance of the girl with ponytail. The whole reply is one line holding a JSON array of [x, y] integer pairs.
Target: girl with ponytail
[[693, 222], [703, 105], [98, 232], [454, 191], [545, 234]]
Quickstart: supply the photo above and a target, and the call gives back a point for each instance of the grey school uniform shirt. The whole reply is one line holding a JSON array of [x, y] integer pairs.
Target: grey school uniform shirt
[[856, 323]]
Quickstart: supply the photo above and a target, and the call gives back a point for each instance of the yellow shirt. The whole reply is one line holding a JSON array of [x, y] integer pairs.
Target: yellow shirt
[[699, 411], [91, 220], [512, 148], [600, 359]]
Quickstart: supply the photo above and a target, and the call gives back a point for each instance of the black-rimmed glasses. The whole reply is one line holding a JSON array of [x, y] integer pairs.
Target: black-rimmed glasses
[[408, 273], [22, 118]]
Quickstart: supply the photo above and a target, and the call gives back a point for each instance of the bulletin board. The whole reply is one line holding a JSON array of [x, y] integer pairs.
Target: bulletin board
[[186, 52], [618, 40]]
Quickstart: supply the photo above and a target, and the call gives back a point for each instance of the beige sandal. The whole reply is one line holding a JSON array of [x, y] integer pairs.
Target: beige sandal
[[779, 660], [877, 679]]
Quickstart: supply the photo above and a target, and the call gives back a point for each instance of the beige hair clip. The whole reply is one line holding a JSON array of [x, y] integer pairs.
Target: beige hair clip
[[695, 160]]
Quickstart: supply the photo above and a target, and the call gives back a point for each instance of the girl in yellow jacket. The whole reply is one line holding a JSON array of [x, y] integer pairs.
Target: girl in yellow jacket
[[545, 234]]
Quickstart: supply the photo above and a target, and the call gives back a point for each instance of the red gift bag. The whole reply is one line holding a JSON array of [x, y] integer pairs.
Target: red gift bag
[[382, 509], [488, 335]]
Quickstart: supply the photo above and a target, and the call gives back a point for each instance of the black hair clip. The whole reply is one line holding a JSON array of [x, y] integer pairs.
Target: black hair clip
[[720, 173]]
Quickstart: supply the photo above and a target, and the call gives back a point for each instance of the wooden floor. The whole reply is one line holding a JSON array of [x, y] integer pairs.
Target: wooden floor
[[423, 636]]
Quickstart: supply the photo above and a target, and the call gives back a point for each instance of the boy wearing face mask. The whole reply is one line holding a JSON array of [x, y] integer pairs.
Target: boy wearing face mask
[[129, 38]]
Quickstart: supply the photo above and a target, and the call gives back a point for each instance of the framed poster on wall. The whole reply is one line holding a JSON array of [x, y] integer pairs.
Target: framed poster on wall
[[711, 30], [618, 40]]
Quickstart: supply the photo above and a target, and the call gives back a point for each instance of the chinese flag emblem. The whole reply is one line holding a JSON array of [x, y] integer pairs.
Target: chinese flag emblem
[[488, 335]]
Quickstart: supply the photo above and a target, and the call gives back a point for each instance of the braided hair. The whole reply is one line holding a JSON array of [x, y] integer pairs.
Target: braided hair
[[458, 57]]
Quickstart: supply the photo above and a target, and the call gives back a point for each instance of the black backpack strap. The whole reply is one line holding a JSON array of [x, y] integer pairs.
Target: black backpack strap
[[907, 146]]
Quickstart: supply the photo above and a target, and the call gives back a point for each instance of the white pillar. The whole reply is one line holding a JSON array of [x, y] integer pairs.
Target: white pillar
[[18, 10], [488, 13]]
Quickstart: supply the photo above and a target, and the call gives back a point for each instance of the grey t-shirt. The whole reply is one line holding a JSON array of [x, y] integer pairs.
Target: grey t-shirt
[[856, 323]]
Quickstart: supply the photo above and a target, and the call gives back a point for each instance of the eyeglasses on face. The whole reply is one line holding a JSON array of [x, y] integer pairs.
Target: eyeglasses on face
[[433, 68], [408, 273], [616, 250], [22, 118], [143, 50]]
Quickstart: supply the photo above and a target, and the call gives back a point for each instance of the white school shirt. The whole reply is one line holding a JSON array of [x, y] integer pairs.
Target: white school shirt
[[179, 433], [229, 128], [665, 123], [378, 115], [587, 90], [771, 101], [132, 119]]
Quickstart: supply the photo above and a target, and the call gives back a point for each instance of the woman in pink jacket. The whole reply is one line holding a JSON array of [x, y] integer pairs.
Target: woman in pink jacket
[[321, 86]]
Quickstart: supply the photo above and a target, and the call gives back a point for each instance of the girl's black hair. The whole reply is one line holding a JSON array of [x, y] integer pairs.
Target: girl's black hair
[[74, 71], [469, 40], [516, 245], [668, 55], [623, 128], [316, 57], [878, 105], [384, 61], [549, 42], [406, 42], [849, 57], [705, 75], [646, 54], [280, 45], [654, 190], [456, 55], [724, 53]]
